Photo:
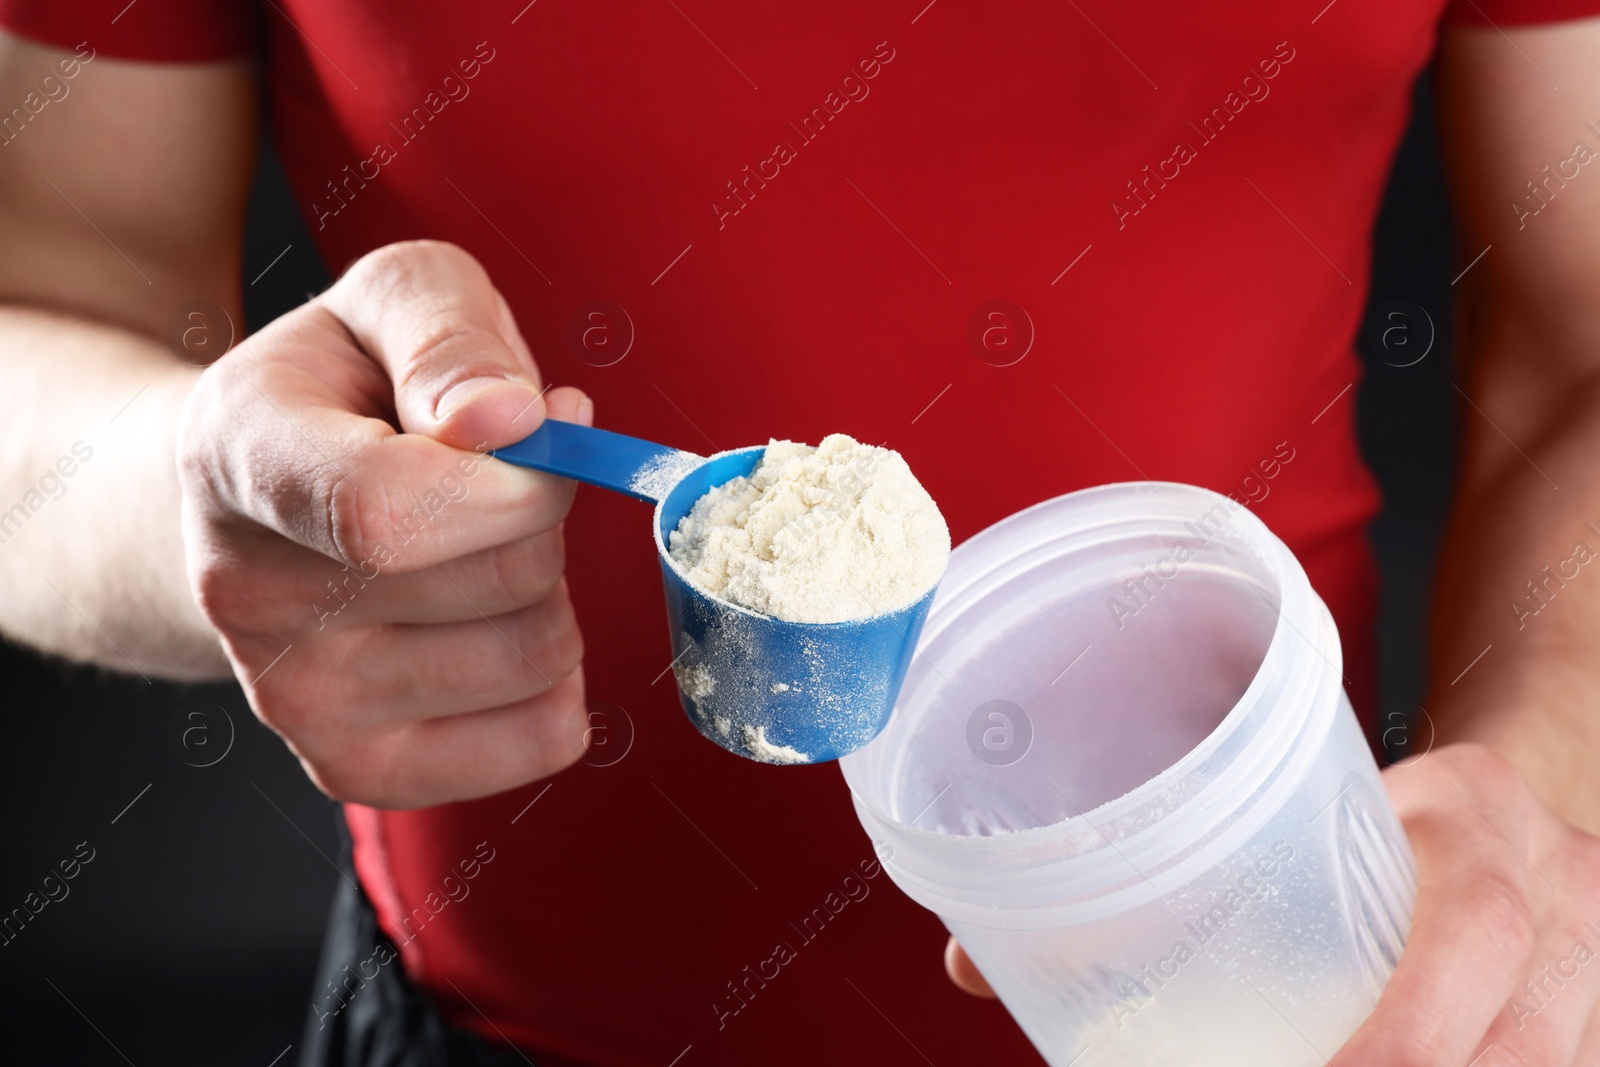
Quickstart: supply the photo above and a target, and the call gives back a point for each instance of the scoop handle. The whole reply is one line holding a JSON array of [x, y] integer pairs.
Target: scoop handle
[[632, 466]]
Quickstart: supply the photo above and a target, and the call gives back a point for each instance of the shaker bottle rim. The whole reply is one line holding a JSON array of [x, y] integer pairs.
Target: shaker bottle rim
[[1161, 834]]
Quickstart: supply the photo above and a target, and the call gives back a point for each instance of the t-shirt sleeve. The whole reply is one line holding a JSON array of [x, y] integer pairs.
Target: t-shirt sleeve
[[1518, 12], [158, 31]]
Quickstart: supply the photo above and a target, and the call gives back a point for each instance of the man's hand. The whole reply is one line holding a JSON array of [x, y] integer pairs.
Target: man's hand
[[1500, 968], [391, 600]]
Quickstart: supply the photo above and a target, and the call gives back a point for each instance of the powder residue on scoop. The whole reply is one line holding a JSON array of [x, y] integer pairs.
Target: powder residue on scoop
[[828, 534], [755, 738], [656, 478]]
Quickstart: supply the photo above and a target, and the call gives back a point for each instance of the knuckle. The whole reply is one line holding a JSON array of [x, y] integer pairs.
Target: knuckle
[[1490, 772], [568, 651], [281, 702], [528, 570], [564, 639], [1500, 904], [546, 500], [193, 457], [203, 428], [548, 646], [193, 453], [574, 639], [448, 254], [213, 591], [341, 780], [347, 769], [425, 250], [549, 720], [227, 594], [406, 265], [1414, 1047], [353, 520], [288, 718], [390, 260], [311, 696], [450, 345]]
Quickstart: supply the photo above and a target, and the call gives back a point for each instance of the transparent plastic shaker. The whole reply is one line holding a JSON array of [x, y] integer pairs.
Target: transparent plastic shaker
[[1124, 772]]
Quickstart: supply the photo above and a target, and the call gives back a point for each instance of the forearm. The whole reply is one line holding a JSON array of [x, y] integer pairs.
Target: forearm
[[1517, 603], [1519, 580], [91, 559]]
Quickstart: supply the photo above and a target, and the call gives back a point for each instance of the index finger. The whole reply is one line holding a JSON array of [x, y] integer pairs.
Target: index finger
[[1471, 935]]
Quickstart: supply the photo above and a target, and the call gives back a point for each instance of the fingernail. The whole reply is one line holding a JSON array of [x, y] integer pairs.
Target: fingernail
[[461, 394], [586, 411]]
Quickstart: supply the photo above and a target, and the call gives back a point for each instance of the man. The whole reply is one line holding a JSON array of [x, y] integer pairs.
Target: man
[[781, 223]]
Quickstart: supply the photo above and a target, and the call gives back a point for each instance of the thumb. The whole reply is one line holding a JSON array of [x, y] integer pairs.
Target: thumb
[[427, 313]]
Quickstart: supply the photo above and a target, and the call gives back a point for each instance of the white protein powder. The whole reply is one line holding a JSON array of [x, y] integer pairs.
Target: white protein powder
[[656, 478], [828, 534]]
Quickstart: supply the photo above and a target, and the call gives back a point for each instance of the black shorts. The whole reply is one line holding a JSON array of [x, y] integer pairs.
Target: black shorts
[[384, 1021]]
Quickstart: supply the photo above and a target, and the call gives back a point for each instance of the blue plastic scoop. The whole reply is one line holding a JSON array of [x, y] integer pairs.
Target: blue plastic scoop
[[770, 690]]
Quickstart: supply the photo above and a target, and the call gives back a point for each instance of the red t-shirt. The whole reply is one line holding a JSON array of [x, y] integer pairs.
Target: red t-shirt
[[802, 210]]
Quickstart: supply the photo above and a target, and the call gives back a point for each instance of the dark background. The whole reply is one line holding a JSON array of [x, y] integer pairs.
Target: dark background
[[192, 935]]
